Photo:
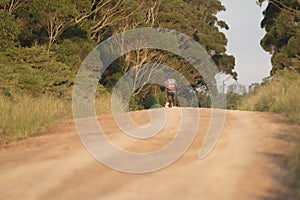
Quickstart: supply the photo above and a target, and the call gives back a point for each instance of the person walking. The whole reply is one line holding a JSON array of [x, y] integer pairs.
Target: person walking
[[170, 91]]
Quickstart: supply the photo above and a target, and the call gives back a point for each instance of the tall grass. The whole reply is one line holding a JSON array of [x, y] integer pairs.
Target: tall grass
[[22, 115], [279, 95], [103, 103]]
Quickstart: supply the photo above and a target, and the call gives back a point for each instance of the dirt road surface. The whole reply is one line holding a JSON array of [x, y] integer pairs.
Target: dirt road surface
[[248, 162]]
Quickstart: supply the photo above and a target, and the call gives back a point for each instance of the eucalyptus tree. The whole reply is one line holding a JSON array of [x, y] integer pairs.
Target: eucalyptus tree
[[282, 24]]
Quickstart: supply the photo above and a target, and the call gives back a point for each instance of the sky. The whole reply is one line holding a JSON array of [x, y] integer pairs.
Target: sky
[[244, 17]]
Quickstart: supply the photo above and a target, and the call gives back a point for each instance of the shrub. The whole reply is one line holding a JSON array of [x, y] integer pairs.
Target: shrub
[[150, 101], [35, 71], [280, 95]]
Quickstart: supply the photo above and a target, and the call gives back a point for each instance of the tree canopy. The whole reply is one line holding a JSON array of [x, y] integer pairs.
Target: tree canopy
[[282, 24], [58, 34]]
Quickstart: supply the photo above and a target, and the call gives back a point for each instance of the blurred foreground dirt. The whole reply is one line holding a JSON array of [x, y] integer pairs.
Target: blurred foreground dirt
[[248, 162]]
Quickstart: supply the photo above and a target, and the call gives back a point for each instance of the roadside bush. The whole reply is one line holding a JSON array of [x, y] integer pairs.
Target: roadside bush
[[279, 95], [232, 100], [34, 71], [150, 101]]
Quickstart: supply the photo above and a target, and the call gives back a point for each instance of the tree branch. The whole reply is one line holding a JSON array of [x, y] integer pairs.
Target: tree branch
[[278, 4]]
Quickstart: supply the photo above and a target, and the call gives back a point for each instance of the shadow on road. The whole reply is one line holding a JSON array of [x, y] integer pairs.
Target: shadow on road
[[288, 163]]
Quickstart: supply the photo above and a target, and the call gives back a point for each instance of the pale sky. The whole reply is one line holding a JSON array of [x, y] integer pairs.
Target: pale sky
[[244, 17]]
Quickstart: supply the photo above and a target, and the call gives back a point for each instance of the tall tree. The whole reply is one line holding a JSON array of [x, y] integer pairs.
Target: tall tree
[[198, 20], [102, 17], [9, 29], [12, 6], [62, 25], [54, 16], [194, 18], [281, 22]]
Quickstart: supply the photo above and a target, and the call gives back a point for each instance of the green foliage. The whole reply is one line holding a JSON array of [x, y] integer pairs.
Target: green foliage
[[150, 101], [161, 98], [194, 18], [73, 52], [233, 100], [4, 3], [71, 28], [197, 19], [282, 39], [53, 16], [82, 5], [226, 63], [134, 104], [293, 46], [35, 71], [43, 44], [9, 30], [280, 61]]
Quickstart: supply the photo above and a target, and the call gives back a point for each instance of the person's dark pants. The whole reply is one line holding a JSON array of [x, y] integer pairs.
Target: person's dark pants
[[171, 98]]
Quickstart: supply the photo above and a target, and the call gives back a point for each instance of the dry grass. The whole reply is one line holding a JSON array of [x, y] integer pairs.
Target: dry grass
[[103, 103], [24, 115], [280, 95]]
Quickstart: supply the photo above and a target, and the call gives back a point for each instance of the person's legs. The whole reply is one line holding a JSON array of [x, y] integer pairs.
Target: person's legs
[[171, 98], [174, 99], [173, 102]]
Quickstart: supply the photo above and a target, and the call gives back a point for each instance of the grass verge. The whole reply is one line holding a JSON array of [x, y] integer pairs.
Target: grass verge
[[23, 115], [281, 95]]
